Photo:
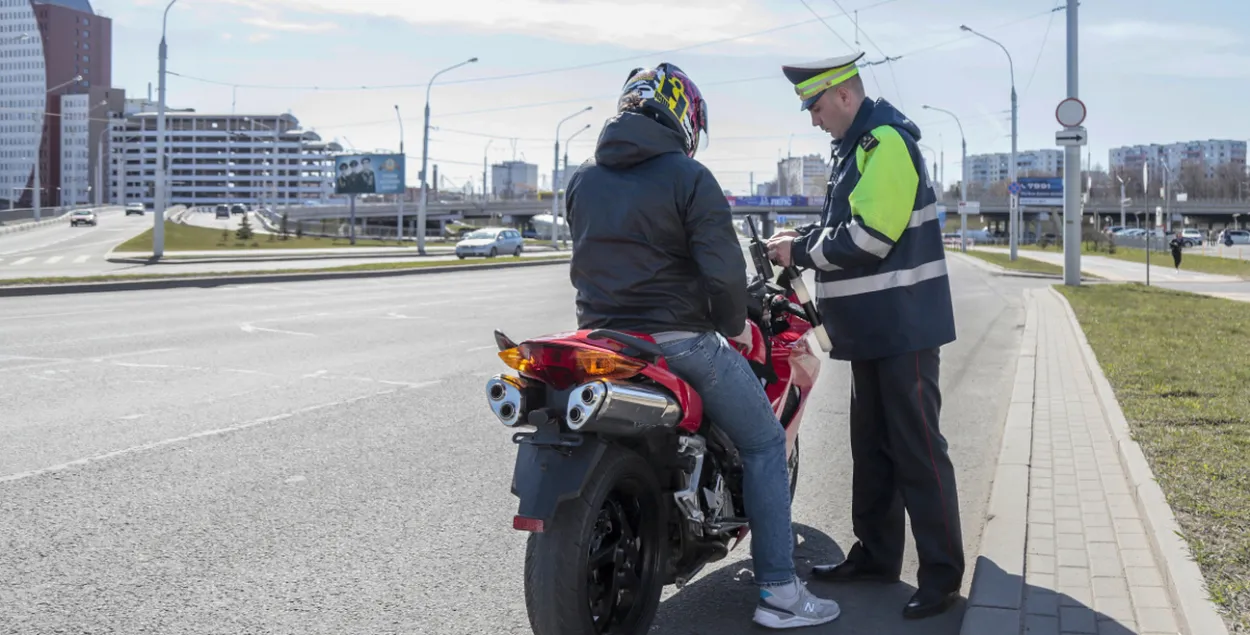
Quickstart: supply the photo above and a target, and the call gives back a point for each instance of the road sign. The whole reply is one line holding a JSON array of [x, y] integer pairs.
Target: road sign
[[1072, 137], [1041, 192], [1014, 188], [1070, 112], [781, 220], [969, 207]]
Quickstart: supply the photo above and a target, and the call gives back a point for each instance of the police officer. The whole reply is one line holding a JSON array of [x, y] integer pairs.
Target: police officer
[[882, 289]]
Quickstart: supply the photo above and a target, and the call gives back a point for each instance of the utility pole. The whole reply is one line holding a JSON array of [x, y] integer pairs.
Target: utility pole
[[1071, 168], [403, 182]]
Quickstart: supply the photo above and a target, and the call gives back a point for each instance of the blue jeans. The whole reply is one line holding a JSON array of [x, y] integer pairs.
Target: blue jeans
[[735, 402]]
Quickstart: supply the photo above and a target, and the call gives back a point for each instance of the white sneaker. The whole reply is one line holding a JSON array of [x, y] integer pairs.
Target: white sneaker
[[793, 606]]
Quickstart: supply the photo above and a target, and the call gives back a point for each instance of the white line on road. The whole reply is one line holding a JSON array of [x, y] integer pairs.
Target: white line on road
[[66, 314], [21, 261], [81, 259], [481, 348], [197, 435], [248, 328], [53, 260]]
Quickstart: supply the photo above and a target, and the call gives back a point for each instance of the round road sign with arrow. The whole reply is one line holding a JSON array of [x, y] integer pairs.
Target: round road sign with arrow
[[1071, 112]]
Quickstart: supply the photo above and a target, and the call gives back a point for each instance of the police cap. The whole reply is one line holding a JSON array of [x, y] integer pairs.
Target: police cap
[[812, 79]]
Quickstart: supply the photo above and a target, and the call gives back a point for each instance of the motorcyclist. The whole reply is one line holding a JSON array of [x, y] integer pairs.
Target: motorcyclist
[[655, 252]]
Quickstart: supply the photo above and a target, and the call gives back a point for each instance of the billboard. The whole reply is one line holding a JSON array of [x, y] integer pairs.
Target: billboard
[[1041, 192], [369, 174], [769, 201]]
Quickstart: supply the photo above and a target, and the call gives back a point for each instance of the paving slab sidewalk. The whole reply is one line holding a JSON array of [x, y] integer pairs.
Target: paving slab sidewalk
[[1078, 538], [1122, 270]]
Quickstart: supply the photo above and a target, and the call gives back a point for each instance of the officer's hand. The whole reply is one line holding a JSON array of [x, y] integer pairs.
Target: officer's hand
[[785, 232], [779, 250]]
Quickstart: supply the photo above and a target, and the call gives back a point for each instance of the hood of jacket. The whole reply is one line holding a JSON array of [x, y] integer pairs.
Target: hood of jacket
[[631, 138], [871, 115]]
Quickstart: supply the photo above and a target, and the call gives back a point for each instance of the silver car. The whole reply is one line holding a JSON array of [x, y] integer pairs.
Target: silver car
[[490, 242]]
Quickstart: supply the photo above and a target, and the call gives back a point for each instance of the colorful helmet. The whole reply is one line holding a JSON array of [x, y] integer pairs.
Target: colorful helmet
[[671, 96]]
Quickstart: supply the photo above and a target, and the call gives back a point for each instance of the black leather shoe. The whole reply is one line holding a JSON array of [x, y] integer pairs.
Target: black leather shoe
[[852, 571], [927, 603]]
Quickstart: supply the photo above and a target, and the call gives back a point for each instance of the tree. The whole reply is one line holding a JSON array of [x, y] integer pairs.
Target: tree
[[245, 229]]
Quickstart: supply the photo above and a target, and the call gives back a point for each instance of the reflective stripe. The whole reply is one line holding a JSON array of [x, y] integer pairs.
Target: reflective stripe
[[881, 281], [825, 80], [868, 242], [923, 215], [817, 252]]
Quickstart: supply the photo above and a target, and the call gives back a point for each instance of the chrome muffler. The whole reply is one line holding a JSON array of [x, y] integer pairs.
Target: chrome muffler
[[617, 409], [503, 393]]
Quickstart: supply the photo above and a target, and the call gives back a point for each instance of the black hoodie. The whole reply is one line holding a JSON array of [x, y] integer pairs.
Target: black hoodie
[[654, 247]]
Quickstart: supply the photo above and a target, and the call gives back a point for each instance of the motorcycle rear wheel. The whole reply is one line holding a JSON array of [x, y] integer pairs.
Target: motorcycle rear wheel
[[596, 569]]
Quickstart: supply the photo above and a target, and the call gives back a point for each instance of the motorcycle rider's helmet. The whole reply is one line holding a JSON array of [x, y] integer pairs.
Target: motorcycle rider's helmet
[[669, 96]]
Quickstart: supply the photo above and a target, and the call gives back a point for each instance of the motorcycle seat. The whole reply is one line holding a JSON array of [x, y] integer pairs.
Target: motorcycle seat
[[635, 346]]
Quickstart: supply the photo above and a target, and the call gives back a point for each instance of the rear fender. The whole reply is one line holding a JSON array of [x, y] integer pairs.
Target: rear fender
[[546, 476]]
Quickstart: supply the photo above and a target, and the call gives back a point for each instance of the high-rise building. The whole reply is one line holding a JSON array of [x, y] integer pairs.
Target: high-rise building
[[216, 159], [1209, 154], [988, 169], [514, 179], [49, 50], [802, 176]]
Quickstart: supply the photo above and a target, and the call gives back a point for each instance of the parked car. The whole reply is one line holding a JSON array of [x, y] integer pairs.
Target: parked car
[[1192, 237], [223, 211], [238, 209], [82, 217], [491, 242], [135, 208], [1239, 236]]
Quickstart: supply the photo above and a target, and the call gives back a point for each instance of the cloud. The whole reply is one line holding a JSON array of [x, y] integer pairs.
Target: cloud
[[643, 24], [290, 27], [259, 36], [1153, 32]]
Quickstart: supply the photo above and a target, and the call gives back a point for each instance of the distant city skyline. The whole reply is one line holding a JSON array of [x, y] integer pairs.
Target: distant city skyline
[[541, 60]]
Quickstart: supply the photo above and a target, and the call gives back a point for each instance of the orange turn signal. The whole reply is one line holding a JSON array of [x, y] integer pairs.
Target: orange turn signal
[[516, 360], [606, 365]]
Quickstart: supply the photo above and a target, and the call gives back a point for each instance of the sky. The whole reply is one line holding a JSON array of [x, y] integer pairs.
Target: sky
[[1151, 71]]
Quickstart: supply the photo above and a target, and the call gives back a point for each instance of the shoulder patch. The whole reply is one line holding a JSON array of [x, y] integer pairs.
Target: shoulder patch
[[868, 141]]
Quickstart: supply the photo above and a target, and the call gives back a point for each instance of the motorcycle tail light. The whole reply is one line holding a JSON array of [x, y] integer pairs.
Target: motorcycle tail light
[[566, 366], [533, 525]]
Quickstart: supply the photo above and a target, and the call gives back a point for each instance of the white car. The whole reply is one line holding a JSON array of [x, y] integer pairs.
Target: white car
[[491, 242], [135, 208], [82, 217], [1192, 237], [1238, 236]]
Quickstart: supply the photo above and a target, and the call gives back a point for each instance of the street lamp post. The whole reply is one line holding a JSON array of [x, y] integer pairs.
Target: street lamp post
[[555, 189], [485, 160], [425, 153], [1014, 212], [963, 181], [564, 174], [158, 207], [36, 195], [1121, 179], [403, 183]]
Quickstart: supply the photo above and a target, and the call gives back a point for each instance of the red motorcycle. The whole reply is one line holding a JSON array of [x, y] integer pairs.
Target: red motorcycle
[[623, 486]]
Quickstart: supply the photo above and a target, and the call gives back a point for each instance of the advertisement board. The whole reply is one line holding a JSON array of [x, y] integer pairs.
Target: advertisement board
[[769, 201], [1041, 192], [369, 174]]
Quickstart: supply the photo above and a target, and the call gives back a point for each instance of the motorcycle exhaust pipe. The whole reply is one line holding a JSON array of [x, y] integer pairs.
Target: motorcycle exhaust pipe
[[616, 409], [504, 396]]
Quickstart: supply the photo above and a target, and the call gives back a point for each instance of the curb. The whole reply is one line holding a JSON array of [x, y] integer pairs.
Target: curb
[[1185, 584], [1008, 273], [28, 226], [225, 280], [997, 593], [195, 260]]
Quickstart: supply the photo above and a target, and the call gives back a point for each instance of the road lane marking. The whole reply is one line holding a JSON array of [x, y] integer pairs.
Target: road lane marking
[[66, 314], [21, 261], [53, 260], [81, 259], [248, 328], [198, 435], [481, 348]]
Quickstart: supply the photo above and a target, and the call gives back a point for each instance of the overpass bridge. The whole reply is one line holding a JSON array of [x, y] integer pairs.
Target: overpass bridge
[[1210, 214]]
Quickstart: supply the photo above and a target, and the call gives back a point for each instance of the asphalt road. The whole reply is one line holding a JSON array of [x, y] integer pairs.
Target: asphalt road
[[63, 250], [319, 458]]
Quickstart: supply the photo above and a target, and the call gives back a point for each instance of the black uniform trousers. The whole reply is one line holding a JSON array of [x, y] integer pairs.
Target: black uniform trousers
[[900, 462]]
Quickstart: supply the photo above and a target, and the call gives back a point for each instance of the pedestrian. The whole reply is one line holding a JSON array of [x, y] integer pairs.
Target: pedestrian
[[882, 287], [1176, 246], [655, 251]]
